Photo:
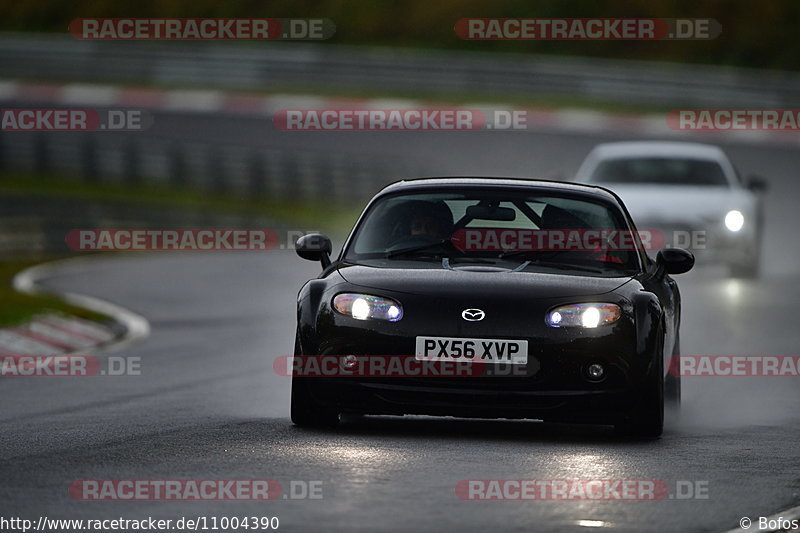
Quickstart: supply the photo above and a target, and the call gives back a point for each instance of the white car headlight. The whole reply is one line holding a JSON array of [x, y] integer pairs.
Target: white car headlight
[[588, 315], [734, 220], [365, 306]]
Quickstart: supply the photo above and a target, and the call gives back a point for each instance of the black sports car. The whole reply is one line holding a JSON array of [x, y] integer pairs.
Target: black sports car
[[543, 291]]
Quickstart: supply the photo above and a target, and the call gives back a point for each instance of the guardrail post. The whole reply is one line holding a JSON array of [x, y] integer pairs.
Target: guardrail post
[[41, 154], [216, 168], [322, 184], [291, 176], [177, 165], [274, 176], [131, 167], [89, 158], [255, 172]]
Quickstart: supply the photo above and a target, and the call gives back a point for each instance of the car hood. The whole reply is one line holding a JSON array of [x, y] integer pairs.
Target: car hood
[[440, 282], [678, 203]]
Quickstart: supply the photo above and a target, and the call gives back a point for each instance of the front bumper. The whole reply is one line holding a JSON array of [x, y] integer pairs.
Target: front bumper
[[554, 385], [371, 397]]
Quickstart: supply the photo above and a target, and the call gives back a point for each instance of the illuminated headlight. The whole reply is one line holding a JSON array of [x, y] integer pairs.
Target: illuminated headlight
[[364, 306], [583, 315], [734, 220]]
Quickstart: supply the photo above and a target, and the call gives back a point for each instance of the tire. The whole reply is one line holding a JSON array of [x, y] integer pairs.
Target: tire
[[305, 411], [750, 267], [647, 418], [748, 270], [672, 383]]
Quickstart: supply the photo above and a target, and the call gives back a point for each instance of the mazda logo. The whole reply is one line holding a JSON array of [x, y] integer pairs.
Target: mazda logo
[[473, 315]]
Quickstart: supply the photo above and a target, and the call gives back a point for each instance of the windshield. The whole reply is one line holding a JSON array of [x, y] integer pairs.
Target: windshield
[[660, 171], [501, 230]]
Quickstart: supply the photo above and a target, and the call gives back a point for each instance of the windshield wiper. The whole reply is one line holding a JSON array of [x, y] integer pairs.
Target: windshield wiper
[[447, 266], [540, 253], [515, 253], [567, 266], [414, 249]]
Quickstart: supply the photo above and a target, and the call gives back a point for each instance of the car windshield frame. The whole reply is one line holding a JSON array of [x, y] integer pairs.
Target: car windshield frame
[[616, 209]]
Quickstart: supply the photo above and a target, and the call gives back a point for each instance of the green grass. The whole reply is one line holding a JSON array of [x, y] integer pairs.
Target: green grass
[[322, 216], [16, 307]]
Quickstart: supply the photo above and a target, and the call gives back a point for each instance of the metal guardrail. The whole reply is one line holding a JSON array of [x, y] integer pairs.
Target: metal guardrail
[[281, 65], [322, 175], [205, 167]]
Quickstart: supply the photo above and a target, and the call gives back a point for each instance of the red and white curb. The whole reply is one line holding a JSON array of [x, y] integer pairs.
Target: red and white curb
[[253, 104], [55, 334]]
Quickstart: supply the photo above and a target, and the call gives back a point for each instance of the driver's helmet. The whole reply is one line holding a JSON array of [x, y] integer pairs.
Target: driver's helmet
[[558, 218], [432, 219]]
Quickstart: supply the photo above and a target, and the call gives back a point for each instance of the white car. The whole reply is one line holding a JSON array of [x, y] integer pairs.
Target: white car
[[689, 191]]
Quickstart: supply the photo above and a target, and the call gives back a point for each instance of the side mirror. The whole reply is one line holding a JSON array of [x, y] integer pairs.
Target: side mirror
[[756, 184], [315, 247], [675, 260]]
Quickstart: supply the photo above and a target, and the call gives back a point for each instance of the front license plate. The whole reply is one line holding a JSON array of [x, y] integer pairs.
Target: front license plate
[[479, 350]]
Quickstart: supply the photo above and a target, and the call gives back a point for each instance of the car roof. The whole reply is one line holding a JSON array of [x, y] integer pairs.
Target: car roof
[[432, 184], [658, 148]]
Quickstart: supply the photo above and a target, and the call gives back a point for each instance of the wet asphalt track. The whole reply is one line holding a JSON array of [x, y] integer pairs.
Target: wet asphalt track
[[208, 404]]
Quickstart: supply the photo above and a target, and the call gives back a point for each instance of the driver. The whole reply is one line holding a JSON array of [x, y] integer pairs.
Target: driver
[[420, 218], [425, 224]]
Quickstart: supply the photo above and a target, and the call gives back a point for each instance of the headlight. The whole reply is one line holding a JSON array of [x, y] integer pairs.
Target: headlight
[[364, 306], [734, 220], [583, 315]]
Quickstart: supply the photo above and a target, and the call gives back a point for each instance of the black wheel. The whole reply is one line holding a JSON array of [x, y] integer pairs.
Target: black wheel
[[750, 267], [308, 413], [305, 411], [646, 420], [672, 384]]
